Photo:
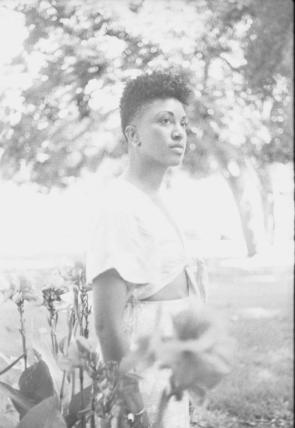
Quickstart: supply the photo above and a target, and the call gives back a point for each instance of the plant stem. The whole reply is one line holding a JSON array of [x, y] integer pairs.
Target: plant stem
[[52, 342], [165, 397], [92, 419], [81, 378], [73, 382], [85, 311], [12, 364], [61, 394], [71, 325], [53, 317], [22, 331]]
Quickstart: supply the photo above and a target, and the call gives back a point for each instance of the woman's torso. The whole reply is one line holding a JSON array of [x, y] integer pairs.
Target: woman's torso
[[137, 236], [177, 288]]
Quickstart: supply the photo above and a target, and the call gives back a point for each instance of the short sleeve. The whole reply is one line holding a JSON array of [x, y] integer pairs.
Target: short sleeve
[[119, 241]]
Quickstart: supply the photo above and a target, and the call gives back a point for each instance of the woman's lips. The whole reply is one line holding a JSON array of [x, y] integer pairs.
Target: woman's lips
[[179, 148]]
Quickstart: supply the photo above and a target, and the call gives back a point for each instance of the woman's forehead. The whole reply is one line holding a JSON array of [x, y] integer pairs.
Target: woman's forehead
[[166, 104]]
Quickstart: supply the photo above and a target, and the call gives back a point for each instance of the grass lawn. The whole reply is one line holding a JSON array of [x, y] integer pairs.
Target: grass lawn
[[259, 391], [258, 302]]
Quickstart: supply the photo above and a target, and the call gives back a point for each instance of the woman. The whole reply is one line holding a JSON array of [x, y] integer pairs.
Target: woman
[[137, 260]]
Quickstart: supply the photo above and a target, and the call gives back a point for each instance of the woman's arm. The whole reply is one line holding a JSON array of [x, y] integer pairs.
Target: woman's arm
[[109, 299]]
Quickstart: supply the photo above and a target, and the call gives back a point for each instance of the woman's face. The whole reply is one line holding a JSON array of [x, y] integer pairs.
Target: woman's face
[[161, 130]]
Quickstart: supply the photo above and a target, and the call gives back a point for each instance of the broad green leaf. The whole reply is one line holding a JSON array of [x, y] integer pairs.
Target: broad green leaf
[[44, 353], [46, 414], [20, 400], [75, 406], [36, 382]]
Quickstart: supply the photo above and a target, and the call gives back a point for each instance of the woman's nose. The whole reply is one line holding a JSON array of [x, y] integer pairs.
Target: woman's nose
[[178, 132]]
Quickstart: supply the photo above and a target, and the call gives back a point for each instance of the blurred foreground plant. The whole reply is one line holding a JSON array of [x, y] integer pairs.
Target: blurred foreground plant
[[19, 289], [47, 395], [198, 353], [51, 297], [79, 317]]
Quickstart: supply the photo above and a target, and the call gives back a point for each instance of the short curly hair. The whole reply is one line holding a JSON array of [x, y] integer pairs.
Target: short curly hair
[[145, 88]]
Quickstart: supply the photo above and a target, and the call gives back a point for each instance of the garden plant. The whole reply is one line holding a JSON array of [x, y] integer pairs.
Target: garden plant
[[65, 383]]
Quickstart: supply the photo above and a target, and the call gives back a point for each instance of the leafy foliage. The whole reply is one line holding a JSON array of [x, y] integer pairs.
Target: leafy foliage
[[77, 56], [46, 414], [197, 354], [20, 401], [36, 383]]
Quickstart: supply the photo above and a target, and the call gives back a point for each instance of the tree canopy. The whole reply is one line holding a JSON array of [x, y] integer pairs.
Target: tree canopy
[[59, 112]]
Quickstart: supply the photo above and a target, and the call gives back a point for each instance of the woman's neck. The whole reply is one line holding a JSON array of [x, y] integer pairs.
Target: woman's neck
[[148, 179]]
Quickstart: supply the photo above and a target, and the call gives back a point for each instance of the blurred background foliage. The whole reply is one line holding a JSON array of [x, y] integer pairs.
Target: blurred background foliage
[[59, 111]]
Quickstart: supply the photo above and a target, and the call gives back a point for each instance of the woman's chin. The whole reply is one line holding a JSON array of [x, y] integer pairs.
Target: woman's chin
[[176, 161]]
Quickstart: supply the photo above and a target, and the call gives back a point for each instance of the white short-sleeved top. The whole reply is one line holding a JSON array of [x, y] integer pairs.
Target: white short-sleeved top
[[133, 235]]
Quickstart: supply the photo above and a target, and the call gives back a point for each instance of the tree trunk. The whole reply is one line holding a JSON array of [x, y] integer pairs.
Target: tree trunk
[[267, 196], [246, 189], [245, 209]]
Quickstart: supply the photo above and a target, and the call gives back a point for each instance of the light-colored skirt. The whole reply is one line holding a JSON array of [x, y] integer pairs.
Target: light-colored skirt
[[141, 319]]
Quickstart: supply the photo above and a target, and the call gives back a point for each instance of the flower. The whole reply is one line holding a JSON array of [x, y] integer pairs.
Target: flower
[[19, 287], [198, 352], [203, 351], [56, 291], [55, 281], [75, 274]]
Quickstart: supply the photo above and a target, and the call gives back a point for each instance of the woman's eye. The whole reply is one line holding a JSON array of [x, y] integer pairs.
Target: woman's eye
[[184, 125], [165, 121]]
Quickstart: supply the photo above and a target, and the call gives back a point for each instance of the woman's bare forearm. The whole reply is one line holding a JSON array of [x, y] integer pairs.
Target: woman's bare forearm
[[113, 342]]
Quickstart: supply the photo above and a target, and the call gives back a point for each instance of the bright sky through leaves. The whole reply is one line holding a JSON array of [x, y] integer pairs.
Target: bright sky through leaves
[[12, 34]]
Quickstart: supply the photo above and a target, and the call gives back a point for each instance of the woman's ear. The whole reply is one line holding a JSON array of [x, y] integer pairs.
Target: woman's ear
[[132, 135]]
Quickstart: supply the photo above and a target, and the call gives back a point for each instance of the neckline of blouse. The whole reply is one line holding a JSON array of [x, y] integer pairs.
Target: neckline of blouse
[[159, 205]]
